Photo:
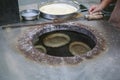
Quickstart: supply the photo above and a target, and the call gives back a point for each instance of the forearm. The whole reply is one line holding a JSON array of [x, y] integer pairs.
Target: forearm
[[101, 6], [105, 3]]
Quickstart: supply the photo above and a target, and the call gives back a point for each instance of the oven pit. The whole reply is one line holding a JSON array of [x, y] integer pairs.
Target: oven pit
[[61, 43]]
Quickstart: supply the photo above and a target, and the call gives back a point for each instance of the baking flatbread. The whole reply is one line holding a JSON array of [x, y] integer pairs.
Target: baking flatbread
[[41, 48], [78, 48], [56, 40]]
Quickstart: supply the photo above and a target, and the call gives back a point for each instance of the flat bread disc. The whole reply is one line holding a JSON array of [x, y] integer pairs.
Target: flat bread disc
[[78, 48], [56, 40], [41, 48]]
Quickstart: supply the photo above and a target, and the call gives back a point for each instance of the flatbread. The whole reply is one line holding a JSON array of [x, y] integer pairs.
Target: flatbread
[[78, 48], [41, 48], [56, 40]]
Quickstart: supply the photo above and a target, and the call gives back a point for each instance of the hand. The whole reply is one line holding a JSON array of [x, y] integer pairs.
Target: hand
[[95, 8]]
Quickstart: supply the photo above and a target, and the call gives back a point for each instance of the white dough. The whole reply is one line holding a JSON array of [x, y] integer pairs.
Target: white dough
[[58, 9]]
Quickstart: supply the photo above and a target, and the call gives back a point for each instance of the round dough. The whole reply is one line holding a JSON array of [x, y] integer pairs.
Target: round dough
[[41, 48], [78, 48], [58, 9], [56, 40]]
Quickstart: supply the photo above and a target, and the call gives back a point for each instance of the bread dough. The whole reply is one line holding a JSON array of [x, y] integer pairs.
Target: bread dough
[[78, 48], [58, 9], [56, 40], [41, 48]]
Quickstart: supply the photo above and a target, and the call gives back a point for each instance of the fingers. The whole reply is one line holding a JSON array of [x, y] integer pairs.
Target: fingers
[[94, 9]]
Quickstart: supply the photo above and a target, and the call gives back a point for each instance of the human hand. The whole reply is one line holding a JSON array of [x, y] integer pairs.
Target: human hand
[[95, 8]]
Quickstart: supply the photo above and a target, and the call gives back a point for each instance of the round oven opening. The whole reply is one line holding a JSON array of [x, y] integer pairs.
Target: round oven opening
[[61, 43], [64, 41]]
